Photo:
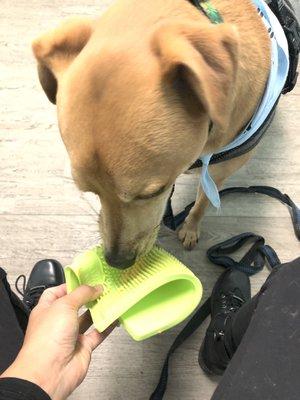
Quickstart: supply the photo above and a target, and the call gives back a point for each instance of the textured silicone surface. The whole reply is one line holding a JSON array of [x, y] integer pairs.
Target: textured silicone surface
[[153, 295]]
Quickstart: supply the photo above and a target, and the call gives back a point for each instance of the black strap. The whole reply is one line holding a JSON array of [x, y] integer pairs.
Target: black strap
[[243, 148], [286, 15], [173, 222], [193, 324], [169, 218], [252, 262], [275, 194]]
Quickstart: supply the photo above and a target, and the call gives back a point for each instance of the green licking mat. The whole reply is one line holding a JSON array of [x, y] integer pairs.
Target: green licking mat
[[153, 295]]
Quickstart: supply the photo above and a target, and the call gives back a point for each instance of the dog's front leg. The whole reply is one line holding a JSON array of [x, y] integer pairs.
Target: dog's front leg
[[189, 232]]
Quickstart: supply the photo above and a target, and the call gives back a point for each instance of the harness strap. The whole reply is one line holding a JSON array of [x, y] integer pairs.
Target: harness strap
[[245, 147], [286, 15]]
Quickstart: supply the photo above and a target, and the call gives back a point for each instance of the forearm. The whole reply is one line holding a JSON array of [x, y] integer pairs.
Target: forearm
[[32, 375], [18, 389]]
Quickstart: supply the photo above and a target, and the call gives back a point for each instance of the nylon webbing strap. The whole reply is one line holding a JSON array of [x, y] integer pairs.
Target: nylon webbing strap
[[287, 17], [252, 262], [173, 222], [275, 194], [198, 318]]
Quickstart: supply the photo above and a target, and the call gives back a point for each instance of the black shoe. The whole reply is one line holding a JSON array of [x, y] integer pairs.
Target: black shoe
[[45, 274], [230, 292]]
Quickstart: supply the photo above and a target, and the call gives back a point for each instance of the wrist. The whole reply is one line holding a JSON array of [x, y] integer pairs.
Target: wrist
[[26, 369]]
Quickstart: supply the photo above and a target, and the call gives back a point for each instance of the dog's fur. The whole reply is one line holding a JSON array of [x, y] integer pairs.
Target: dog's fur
[[136, 90]]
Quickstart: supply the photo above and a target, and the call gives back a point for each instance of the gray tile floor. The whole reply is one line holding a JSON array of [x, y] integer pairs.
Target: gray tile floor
[[44, 215]]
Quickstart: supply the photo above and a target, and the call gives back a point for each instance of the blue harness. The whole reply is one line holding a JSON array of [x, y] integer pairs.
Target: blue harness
[[276, 82]]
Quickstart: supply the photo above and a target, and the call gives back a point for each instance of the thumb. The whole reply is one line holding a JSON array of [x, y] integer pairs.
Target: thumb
[[82, 295]]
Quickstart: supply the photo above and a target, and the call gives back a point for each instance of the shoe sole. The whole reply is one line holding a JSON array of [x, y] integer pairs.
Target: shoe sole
[[204, 367]]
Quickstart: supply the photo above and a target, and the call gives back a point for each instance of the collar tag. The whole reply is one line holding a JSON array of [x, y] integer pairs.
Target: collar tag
[[209, 10]]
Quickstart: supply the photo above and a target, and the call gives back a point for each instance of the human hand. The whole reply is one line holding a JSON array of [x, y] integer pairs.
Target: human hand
[[55, 355]]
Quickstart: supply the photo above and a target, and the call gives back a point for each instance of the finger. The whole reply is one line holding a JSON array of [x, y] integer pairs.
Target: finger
[[82, 295], [93, 339], [50, 295], [85, 321]]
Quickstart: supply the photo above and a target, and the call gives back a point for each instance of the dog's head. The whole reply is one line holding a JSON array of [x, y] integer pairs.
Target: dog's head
[[134, 113]]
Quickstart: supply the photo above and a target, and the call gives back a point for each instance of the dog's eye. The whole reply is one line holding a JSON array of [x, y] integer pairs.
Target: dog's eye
[[151, 195]]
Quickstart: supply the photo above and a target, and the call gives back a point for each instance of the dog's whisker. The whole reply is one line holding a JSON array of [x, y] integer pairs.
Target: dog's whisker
[[65, 178], [95, 212]]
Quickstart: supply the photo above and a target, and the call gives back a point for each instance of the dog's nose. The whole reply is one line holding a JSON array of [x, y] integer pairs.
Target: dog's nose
[[119, 261]]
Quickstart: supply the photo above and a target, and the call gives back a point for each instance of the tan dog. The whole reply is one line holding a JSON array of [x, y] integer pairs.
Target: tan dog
[[136, 91]]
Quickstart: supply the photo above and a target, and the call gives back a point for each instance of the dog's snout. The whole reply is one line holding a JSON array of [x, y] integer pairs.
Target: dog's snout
[[118, 260]]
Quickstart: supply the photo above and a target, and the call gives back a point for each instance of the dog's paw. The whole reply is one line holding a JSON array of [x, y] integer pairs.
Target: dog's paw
[[188, 235]]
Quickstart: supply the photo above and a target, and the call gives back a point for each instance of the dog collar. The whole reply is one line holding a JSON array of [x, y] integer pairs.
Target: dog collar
[[276, 81]]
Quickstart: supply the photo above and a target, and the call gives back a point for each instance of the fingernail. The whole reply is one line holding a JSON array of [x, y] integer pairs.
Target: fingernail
[[98, 288]]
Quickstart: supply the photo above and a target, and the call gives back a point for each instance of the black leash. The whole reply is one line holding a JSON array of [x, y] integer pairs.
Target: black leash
[[275, 194], [198, 318], [173, 221], [252, 262]]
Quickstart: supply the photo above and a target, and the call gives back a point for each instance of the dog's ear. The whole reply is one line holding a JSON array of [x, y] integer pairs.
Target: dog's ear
[[202, 61], [56, 49]]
